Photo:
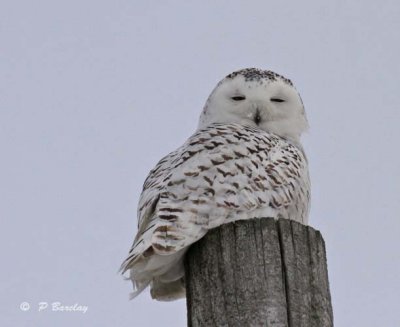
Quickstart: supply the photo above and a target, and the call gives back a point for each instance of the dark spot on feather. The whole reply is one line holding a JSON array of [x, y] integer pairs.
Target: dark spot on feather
[[226, 157], [208, 180], [254, 163], [209, 190], [197, 202], [168, 217], [225, 173], [192, 174], [238, 154], [209, 147], [216, 163], [162, 248], [239, 167]]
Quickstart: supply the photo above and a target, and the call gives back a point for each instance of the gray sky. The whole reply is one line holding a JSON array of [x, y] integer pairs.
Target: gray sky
[[93, 93]]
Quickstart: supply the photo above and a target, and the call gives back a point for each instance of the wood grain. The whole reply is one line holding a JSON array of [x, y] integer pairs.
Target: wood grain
[[259, 272]]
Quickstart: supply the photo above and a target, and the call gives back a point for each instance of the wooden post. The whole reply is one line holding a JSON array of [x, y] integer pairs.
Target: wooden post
[[258, 272]]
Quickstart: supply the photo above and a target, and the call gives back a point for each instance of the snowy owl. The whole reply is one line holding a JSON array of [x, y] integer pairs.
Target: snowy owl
[[244, 161]]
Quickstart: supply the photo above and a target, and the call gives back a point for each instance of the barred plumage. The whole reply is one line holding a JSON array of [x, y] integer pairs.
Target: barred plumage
[[230, 169]]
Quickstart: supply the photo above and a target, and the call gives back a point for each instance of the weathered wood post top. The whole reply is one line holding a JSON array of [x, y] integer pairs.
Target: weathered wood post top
[[259, 272]]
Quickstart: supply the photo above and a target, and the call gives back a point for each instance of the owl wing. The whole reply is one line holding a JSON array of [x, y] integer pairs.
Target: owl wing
[[221, 174]]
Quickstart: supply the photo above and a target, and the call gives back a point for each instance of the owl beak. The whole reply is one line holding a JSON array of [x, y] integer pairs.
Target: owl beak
[[257, 117]]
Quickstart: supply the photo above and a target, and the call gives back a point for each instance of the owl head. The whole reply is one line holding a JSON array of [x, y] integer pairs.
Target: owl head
[[258, 98]]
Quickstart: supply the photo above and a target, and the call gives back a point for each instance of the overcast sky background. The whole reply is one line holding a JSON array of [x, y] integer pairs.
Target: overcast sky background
[[94, 93]]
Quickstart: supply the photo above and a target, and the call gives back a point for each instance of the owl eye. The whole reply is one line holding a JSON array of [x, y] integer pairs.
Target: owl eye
[[277, 100], [238, 98]]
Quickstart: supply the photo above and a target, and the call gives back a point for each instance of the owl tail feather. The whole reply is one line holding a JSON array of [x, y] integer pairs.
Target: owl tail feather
[[163, 273], [168, 291], [138, 287]]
